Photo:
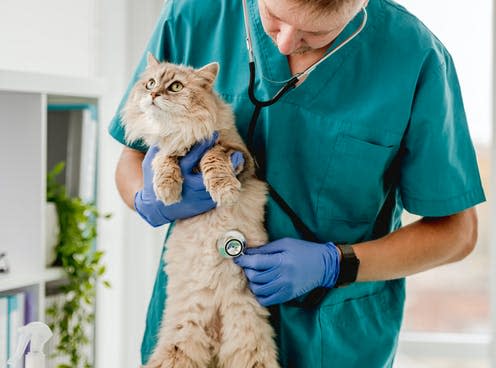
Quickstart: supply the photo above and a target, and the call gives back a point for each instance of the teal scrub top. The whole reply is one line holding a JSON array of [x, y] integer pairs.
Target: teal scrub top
[[377, 128]]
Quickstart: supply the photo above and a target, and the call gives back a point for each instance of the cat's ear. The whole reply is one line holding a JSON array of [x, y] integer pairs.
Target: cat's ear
[[152, 61], [209, 73]]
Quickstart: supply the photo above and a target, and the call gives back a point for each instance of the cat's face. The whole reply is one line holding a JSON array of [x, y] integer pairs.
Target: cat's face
[[168, 89], [171, 99]]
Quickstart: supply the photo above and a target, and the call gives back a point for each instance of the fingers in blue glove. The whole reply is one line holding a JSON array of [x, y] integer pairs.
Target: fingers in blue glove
[[195, 182], [237, 159], [152, 151], [270, 248], [193, 157], [288, 268], [146, 164], [258, 262], [270, 293], [261, 290], [275, 298], [262, 277]]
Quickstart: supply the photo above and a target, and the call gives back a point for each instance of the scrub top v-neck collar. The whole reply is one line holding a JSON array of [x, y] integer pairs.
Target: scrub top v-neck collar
[[275, 66]]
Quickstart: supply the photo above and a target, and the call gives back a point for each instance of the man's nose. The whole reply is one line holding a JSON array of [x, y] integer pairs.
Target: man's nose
[[287, 39]]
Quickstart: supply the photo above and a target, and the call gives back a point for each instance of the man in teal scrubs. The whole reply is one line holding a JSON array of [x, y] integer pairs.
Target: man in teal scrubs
[[376, 128]]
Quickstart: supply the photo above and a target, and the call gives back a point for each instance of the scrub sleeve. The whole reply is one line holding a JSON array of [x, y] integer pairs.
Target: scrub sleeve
[[439, 174]]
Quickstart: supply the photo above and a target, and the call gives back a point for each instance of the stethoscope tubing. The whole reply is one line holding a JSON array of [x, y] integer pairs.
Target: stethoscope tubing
[[251, 89], [317, 295], [291, 83]]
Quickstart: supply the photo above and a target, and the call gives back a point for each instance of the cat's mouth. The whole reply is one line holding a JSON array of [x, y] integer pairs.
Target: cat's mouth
[[155, 107]]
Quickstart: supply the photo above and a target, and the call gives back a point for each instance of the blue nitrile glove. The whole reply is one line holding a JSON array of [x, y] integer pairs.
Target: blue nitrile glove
[[195, 199], [288, 268], [237, 159]]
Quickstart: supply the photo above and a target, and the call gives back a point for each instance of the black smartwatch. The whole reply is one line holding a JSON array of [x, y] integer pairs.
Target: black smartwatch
[[348, 266]]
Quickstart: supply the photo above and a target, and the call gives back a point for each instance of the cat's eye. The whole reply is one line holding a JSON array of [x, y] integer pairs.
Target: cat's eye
[[150, 84], [175, 87]]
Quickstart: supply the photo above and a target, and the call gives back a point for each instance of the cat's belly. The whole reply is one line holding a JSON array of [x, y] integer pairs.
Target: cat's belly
[[192, 257]]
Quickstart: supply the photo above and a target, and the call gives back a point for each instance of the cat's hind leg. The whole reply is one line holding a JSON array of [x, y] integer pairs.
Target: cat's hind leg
[[188, 337], [247, 338]]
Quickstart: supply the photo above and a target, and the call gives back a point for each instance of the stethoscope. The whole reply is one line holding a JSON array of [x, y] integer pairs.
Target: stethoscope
[[232, 243], [288, 84]]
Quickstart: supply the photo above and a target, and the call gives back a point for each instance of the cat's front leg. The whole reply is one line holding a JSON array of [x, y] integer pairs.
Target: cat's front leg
[[167, 179], [219, 176]]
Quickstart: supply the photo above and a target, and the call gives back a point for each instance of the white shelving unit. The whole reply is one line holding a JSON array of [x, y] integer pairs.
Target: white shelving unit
[[24, 100]]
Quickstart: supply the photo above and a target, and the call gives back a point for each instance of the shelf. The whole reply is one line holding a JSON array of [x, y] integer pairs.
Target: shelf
[[50, 84], [54, 274], [12, 282]]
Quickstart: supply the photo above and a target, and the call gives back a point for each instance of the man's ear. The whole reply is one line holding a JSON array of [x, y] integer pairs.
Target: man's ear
[[209, 73], [152, 61]]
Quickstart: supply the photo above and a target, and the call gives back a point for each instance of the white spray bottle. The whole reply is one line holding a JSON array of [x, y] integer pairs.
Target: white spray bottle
[[38, 333]]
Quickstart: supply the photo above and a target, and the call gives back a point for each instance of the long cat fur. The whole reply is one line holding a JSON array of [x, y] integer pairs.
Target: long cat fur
[[211, 318]]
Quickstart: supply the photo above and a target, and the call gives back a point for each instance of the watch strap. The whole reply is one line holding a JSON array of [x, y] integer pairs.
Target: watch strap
[[348, 266]]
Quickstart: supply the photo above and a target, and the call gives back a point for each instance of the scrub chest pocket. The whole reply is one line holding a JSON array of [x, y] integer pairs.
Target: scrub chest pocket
[[354, 186]]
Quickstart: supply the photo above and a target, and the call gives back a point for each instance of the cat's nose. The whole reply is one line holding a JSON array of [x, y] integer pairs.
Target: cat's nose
[[155, 94]]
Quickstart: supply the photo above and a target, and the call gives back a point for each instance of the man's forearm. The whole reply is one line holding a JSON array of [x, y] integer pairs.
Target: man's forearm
[[128, 175], [422, 245]]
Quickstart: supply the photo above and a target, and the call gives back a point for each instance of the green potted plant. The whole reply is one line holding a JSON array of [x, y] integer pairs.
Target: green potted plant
[[83, 266]]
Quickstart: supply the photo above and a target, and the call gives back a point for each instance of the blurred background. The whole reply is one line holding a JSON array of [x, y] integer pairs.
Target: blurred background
[[449, 316]]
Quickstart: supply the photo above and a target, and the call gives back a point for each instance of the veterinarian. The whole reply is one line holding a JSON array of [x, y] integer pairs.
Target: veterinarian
[[377, 127]]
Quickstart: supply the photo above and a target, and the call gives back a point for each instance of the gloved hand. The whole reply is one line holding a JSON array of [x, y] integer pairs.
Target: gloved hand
[[288, 268], [195, 199]]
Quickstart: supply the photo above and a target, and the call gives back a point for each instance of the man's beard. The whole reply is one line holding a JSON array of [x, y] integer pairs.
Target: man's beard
[[301, 50]]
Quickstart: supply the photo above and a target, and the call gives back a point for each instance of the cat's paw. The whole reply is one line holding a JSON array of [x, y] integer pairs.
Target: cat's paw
[[225, 192], [170, 193]]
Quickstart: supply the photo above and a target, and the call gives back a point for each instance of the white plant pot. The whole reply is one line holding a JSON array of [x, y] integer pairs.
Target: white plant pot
[[51, 233]]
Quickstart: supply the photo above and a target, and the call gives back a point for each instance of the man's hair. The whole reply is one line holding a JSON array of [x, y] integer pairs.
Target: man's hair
[[324, 6]]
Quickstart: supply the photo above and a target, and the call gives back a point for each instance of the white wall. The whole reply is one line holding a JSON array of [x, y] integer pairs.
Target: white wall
[[50, 36]]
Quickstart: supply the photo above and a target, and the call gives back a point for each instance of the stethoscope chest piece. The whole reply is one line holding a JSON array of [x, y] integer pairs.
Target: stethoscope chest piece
[[232, 244]]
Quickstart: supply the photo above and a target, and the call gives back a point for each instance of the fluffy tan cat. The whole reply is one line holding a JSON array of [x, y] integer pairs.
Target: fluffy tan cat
[[211, 317]]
